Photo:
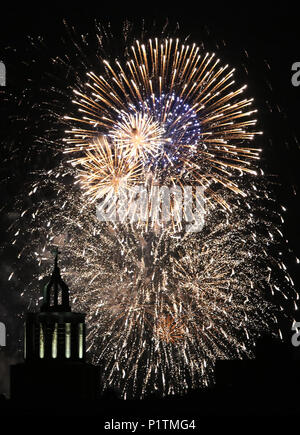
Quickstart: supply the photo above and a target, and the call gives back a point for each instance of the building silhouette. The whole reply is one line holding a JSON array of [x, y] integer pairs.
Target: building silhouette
[[54, 366], [55, 372]]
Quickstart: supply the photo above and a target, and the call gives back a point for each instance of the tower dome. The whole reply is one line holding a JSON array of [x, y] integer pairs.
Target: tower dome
[[55, 332]]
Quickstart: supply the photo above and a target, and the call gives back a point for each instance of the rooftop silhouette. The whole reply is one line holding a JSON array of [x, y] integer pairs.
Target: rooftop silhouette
[[54, 364], [55, 371]]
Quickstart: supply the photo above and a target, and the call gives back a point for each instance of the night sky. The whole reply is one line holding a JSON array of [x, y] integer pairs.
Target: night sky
[[262, 46]]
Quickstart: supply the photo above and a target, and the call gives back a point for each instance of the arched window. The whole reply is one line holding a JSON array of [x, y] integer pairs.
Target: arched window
[[80, 340], [54, 342], [42, 348], [68, 340]]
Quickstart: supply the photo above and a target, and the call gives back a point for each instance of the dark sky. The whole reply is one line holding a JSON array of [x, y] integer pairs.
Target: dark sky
[[261, 45]]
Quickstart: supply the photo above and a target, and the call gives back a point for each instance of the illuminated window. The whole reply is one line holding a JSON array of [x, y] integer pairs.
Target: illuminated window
[[68, 340], [42, 350], [54, 342], [80, 340]]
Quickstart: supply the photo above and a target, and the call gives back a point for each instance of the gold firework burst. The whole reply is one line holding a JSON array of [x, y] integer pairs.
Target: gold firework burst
[[175, 99], [104, 170], [170, 329], [139, 135]]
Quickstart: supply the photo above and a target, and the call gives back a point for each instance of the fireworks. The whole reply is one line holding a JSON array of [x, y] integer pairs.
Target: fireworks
[[169, 329], [162, 304], [138, 135], [161, 307], [104, 171], [173, 108]]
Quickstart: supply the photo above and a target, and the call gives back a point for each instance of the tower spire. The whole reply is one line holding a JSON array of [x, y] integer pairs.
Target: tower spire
[[56, 292]]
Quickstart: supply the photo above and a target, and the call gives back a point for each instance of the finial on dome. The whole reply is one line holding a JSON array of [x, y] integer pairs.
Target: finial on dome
[[60, 299]]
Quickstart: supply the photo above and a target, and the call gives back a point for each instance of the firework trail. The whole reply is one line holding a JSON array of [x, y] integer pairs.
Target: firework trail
[[162, 304]]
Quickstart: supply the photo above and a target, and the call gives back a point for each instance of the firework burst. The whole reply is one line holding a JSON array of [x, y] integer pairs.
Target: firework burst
[[139, 136], [169, 329], [174, 108], [105, 171]]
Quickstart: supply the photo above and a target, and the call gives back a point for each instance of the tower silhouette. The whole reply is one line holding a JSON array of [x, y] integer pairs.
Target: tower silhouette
[[54, 350]]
